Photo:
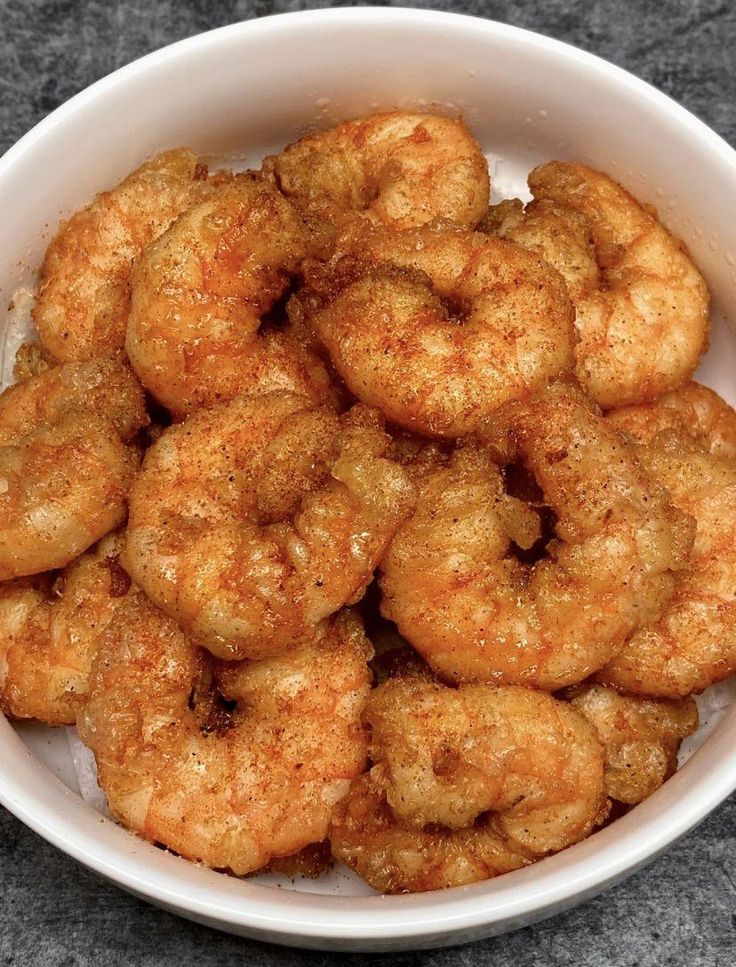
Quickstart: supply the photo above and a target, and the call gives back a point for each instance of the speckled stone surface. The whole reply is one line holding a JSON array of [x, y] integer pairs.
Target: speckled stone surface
[[681, 909]]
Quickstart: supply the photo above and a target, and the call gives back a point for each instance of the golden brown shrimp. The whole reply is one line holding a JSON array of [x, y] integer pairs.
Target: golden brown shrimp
[[199, 294], [227, 764], [50, 629], [65, 462], [641, 737], [84, 292], [467, 784], [477, 613], [692, 411], [693, 644], [253, 521], [440, 327], [641, 304], [395, 169]]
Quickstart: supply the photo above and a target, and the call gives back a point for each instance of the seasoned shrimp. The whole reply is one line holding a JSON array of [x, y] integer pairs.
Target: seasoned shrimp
[[395, 169], [227, 764], [253, 521], [693, 644], [84, 293], [477, 613], [641, 737], [641, 304], [440, 327], [50, 630], [65, 462], [467, 784], [692, 411], [199, 295]]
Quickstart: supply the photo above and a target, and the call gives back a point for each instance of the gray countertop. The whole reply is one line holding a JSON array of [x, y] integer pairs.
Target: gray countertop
[[679, 910]]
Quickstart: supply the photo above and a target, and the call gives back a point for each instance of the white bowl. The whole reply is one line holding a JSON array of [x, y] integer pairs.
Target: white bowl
[[248, 89]]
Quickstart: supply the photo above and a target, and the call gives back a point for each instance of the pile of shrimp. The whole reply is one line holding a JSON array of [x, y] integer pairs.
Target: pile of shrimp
[[347, 515]]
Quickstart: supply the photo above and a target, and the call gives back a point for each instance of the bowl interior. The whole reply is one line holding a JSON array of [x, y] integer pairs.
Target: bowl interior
[[235, 95]]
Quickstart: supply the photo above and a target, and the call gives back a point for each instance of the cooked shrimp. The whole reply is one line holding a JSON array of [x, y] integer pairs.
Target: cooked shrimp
[[50, 629], [692, 411], [693, 644], [468, 783], [253, 521], [199, 295], [65, 462], [641, 737], [84, 292], [477, 613], [440, 327], [395, 169], [228, 765], [641, 304]]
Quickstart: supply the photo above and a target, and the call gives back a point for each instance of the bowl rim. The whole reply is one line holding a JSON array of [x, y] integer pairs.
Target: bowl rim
[[321, 916]]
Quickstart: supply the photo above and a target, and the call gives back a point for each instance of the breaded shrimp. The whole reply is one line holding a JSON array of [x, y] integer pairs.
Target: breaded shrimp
[[440, 327], [641, 304], [50, 629], [200, 292], [84, 292], [395, 169], [468, 783], [229, 765], [692, 411], [477, 613], [65, 462], [253, 521], [693, 644], [641, 737]]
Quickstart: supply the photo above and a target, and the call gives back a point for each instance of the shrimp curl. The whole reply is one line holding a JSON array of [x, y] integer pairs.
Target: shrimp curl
[[229, 765], [439, 327], [395, 169], [253, 521], [66, 462], [476, 612], [468, 783], [641, 304]]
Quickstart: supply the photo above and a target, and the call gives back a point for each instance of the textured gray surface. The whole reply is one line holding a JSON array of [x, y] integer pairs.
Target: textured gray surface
[[680, 910]]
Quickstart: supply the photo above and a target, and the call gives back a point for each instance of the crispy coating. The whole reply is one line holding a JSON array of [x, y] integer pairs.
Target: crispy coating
[[199, 294], [253, 521], [641, 737], [395, 169], [693, 411], [230, 765], [50, 630], [65, 462], [84, 290], [693, 644], [468, 783], [641, 304], [475, 611], [438, 327]]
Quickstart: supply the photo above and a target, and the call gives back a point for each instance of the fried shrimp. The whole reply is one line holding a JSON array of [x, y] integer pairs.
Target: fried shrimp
[[253, 521], [50, 629], [440, 327], [641, 304], [692, 411], [693, 644], [467, 784], [199, 294], [65, 462], [396, 169], [475, 611], [84, 293], [227, 764], [641, 737]]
